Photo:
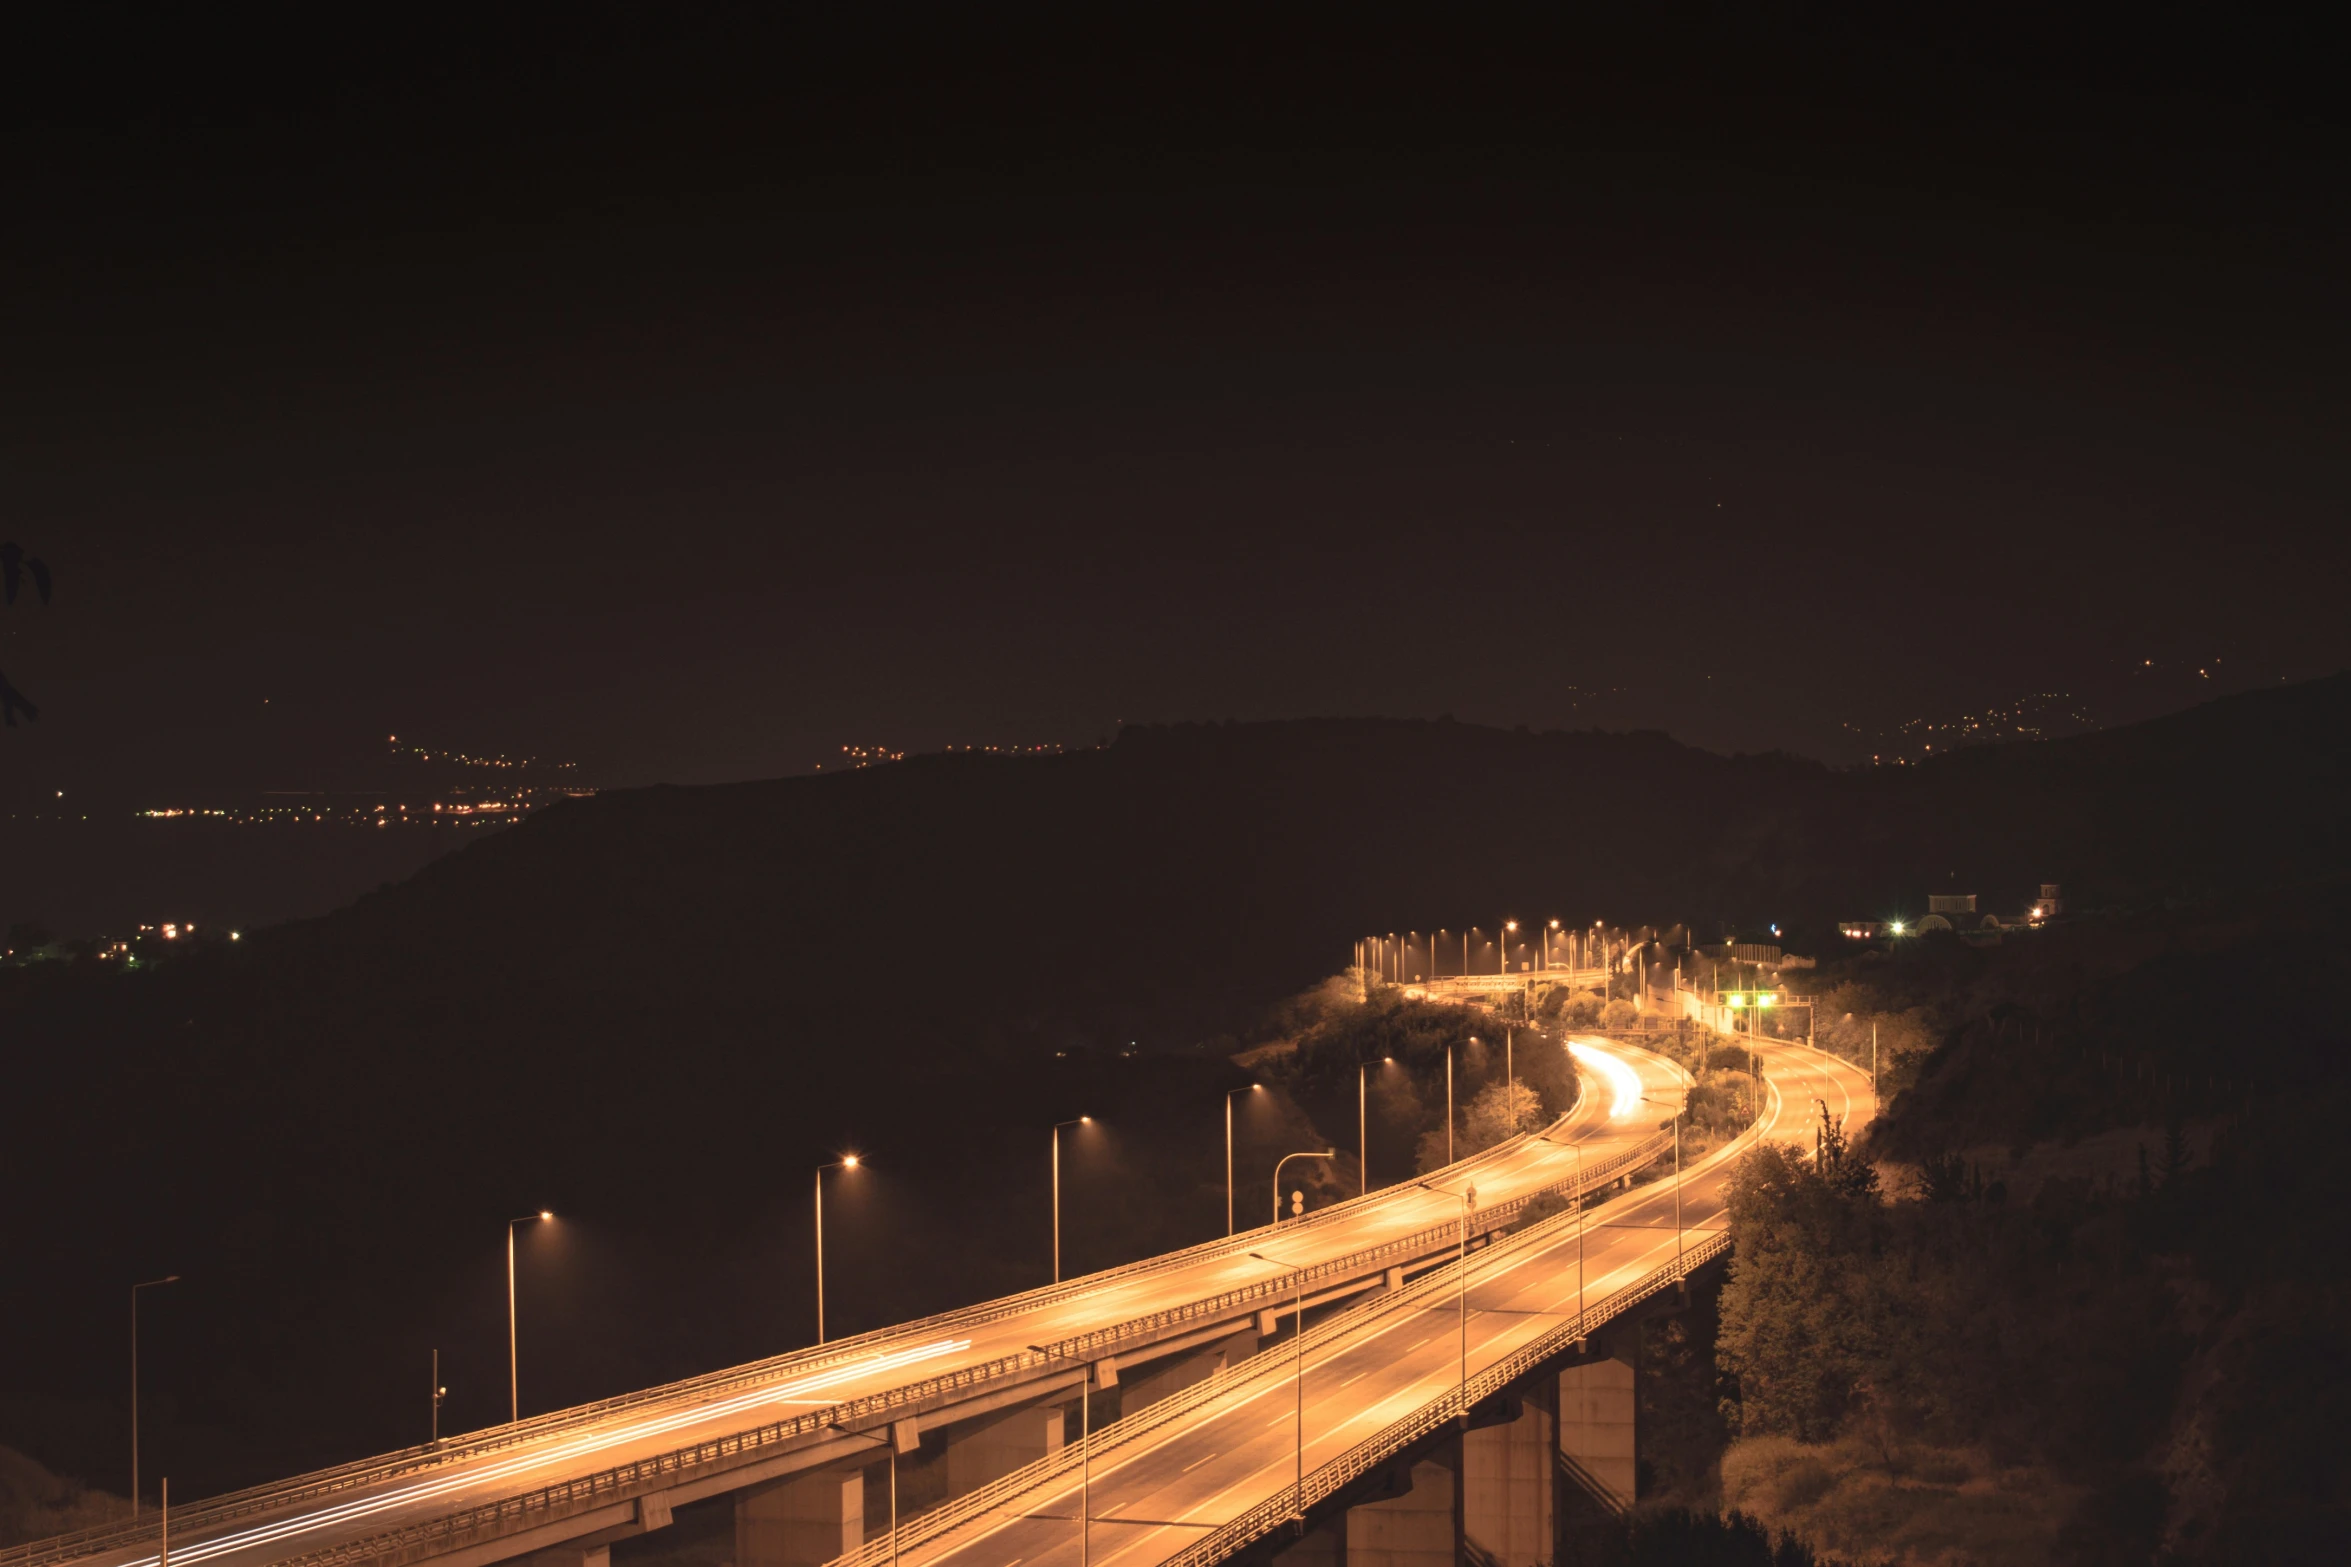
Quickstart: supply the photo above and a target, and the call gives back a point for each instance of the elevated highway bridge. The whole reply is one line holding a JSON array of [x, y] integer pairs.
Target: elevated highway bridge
[[1296, 1403]]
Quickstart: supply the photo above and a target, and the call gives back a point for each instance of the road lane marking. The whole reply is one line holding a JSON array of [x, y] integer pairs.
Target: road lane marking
[[1194, 1464]]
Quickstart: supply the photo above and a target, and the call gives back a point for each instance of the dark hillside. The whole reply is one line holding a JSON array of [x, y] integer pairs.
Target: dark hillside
[[657, 1010]]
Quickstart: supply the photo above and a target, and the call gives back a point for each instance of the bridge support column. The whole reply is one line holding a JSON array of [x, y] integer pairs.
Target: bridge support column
[[802, 1521], [1597, 1411], [1417, 1529], [993, 1446], [569, 1556], [1177, 1372], [1506, 1487], [1324, 1545]]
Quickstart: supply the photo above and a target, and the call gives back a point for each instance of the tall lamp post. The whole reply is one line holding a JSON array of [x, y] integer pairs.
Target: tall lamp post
[[1362, 1134], [1469, 1200], [1449, 1102], [1502, 940], [148, 1285], [1327, 1153], [890, 1441], [1083, 1120], [1253, 1088], [847, 1161], [1085, 1450], [513, 1364], [1576, 1190], [1298, 1332]]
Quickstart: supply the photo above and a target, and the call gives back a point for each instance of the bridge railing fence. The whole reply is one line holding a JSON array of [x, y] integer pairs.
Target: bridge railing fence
[[218, 1510], [1434, 1287]]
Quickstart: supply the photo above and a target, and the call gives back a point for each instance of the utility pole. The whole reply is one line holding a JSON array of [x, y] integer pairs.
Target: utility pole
[[1448, 1104], [148, 1285]]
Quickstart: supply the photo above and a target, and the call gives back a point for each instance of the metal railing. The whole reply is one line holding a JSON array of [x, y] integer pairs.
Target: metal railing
[[349, 1477], [1431, 1287], [551, 1503], [1329, 1478]]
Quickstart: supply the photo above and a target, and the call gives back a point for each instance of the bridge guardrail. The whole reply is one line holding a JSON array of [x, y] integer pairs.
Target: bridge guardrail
[[1327, 1479], [951, 1515], [774, 1368], [551, 1503], [944, 1519], [81, 1543]]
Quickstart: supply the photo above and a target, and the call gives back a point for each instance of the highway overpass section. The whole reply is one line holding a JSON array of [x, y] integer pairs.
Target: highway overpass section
[[575, 1481]]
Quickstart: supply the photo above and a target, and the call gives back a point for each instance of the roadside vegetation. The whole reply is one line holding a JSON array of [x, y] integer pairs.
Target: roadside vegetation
[[2069, 1303], [35, 1504], [1507, 1078]]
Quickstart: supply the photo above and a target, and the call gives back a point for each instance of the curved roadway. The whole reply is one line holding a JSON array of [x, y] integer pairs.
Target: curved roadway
[[1623, 1098], [1160, 1491]]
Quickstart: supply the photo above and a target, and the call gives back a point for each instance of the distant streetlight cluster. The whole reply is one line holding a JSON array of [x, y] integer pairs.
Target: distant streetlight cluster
[[854, 757], [1415, 957]]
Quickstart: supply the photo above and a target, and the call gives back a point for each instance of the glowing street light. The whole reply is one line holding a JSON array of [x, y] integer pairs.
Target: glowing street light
[[1083, 1120], [1253, 1088], [513, 1365], [1502, 941], [847, 1161]]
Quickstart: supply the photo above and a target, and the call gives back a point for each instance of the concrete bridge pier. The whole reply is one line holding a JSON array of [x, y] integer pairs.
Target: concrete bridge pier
[[1417, 1528], [1507, 1480], [1598, 1408], [801, 1521]]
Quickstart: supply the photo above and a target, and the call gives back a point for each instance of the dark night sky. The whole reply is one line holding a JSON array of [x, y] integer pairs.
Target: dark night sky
[[692, 396]]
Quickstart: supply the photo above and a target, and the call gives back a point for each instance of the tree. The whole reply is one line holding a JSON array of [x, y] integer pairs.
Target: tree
[[1806, 1328]]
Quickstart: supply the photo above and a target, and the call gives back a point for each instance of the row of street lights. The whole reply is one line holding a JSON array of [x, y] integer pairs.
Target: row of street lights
[[1388, 953], [852, 1162]]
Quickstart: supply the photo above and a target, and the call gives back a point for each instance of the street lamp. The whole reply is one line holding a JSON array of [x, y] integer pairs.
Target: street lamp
[[1449, 1100], [1253, 1088], [889, 1441], [1083, 1120], [148, 1285], [1298, 1332], [1576, 1193], [1362, 1133], [1085, 1449], [1502, 940], [847, 1161], [1469, 1200], [1327, 1153], [513, 1368]]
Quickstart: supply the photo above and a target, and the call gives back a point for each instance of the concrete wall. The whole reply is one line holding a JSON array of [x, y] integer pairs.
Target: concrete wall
[[993, 1446], [1139, 1390], [801, 1521]]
